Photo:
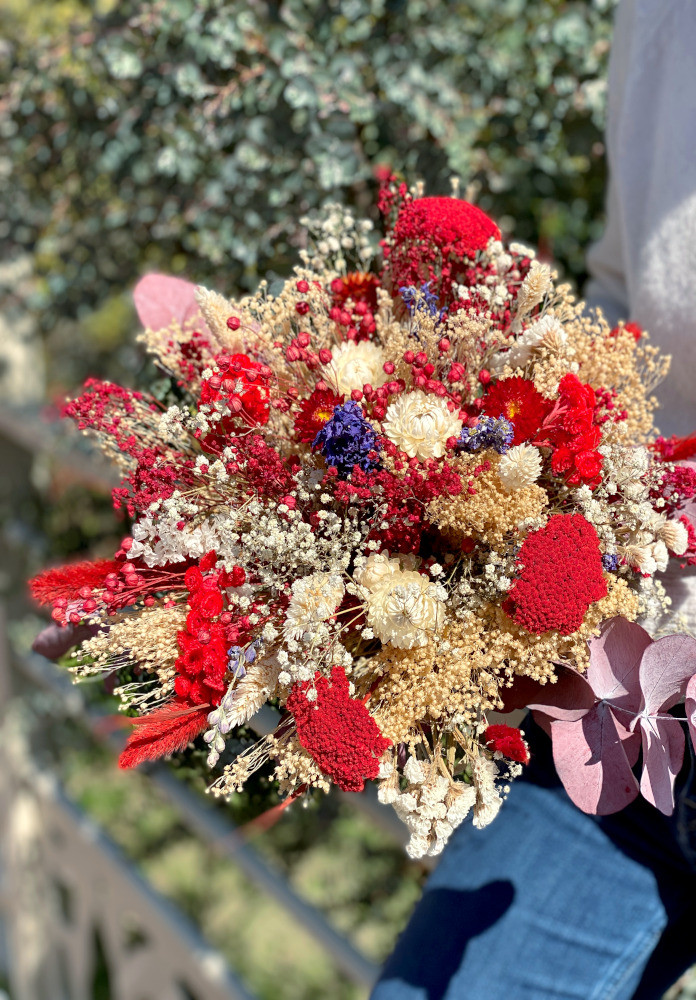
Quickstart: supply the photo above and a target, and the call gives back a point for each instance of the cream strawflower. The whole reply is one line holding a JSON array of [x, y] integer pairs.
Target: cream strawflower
[[675, 536], [420, 424], [314, 599], [354, 365], [547, 331], [519, 467], [405, 609]]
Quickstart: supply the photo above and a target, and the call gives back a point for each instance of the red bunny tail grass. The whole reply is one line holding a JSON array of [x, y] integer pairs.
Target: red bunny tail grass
[[65, 582], [162, 732]]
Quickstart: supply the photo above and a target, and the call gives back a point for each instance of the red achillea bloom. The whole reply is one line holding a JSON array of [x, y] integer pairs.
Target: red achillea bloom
[[520, 402], [243, 384], [561, 576], [338, 731], [508, 741], [314, 412], [435, 240]]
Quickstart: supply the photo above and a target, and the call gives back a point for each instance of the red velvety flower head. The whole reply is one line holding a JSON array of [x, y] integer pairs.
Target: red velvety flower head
[[314, 412], [508, 741], [243, 384], [519, 401], [355, 285], [561, 576], [434, 240], [338, 731]]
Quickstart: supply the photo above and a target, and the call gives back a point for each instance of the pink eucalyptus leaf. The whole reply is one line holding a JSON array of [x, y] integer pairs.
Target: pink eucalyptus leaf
[[591, 762], [615, 657], [54, 641], [690, 706], [569, 698], [663, 755], [665, 669], [160, 300]]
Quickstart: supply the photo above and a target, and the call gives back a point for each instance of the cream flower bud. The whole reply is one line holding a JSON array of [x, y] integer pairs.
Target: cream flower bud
[[420, 424], [519, 467], [354, 365], [675, 536]]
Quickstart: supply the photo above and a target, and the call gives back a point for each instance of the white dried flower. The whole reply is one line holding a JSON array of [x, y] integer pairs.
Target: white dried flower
[[406, 609], [675, 536], [420, 424], [547, 331], [314, 599], [519, 467], [354, 365]]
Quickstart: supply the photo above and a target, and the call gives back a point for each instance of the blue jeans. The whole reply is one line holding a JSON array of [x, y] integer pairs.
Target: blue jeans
[[548, 903]]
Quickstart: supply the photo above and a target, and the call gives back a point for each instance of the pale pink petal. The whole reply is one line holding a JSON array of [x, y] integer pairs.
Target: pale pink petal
[[160, 300], [615, 657], [664, 670], [592, 764], [690, 706], [663, 755]]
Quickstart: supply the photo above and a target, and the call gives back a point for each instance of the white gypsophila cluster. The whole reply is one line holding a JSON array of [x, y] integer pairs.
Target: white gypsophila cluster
[[314, 599], [420, 424], [431, 806], [404, 607], [520, 466], [159, 540], [335, 238], [355, 364], [547, 331]]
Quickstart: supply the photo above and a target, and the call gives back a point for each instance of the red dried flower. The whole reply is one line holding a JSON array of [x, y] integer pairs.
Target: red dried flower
[[356, 285], [561, 576], [574, 434], [508, 741], [519, 401], [435, 240], [243, 384], [338, 731], [66, 582], [314, 412]]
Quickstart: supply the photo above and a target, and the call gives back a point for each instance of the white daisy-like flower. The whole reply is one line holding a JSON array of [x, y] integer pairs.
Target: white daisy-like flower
[[354, 365], [406, 609], [519, 467], [314, 599], [420, 424]]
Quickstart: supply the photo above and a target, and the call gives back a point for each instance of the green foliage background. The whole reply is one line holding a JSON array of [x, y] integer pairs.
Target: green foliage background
[[191, 135]]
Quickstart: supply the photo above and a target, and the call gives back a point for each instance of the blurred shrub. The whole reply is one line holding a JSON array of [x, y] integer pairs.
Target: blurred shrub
[[190, 135]]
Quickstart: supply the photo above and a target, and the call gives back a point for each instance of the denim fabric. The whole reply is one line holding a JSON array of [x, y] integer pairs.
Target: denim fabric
[[548, 903]]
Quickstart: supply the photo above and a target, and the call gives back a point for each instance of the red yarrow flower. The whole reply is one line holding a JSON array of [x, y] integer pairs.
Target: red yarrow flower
[[337, 730], [314, 412], [435, 240], [519, 401], [561, 576], [508, 741]]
